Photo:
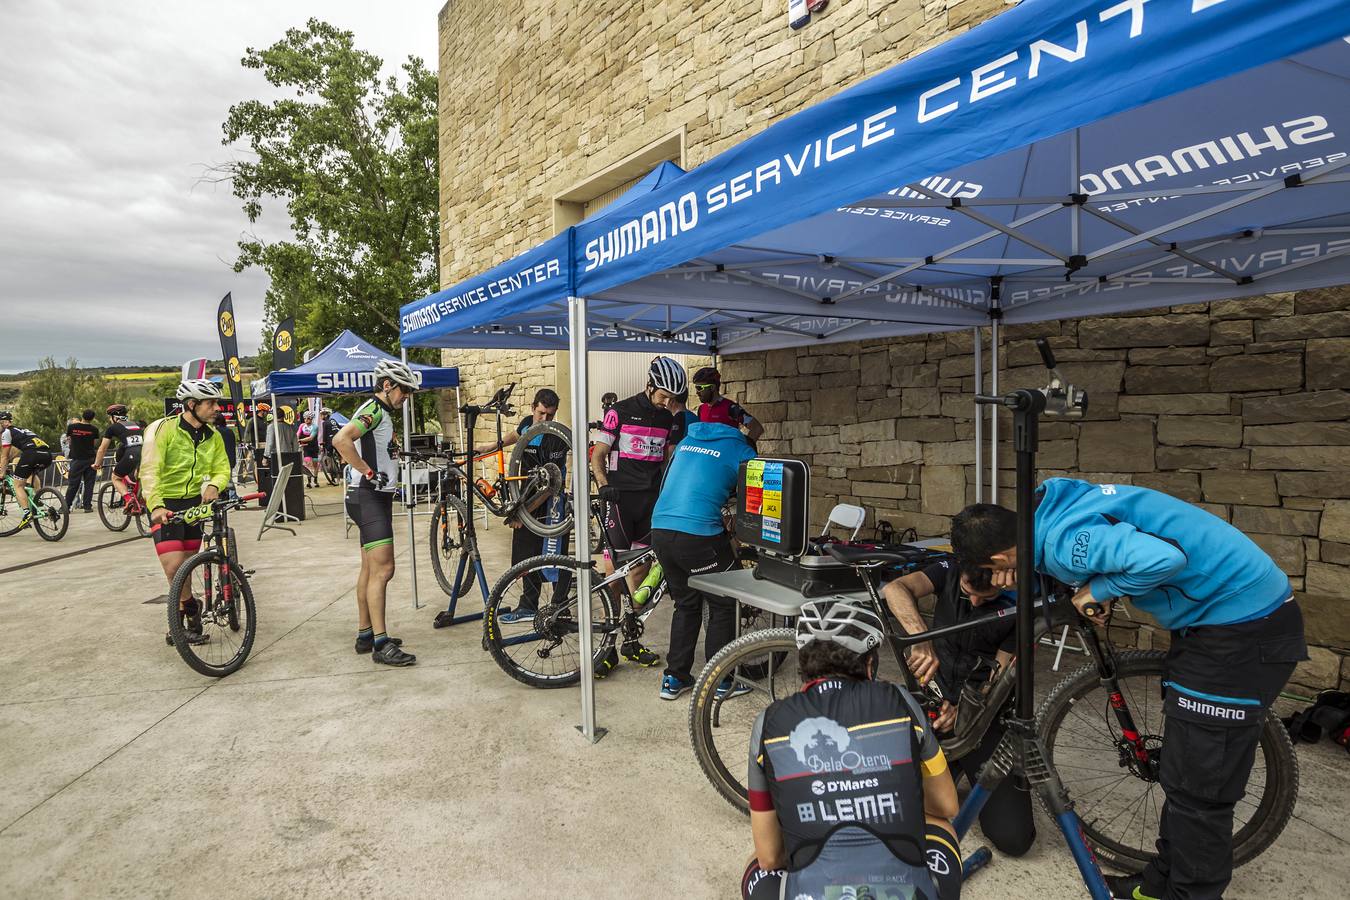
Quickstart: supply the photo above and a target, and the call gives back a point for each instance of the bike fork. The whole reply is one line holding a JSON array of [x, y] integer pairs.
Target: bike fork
[[1106, 673]]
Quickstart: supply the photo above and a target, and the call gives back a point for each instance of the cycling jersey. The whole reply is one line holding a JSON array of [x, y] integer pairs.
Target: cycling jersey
[[700, 479], [839, 753], [1180, 564], [680, 430], [636, 431], [21, 439], [543, 448], [176, 459], [82, 438], [725, 411], [375, 424], [309, 449], [971, 652], [128, 437]]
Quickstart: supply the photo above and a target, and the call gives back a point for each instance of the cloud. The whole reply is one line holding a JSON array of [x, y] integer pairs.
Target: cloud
[[112, 248]]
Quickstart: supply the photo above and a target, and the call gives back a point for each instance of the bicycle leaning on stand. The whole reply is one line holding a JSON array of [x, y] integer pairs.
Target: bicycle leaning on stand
[[521, 489], [219, 583], [1102, 726]]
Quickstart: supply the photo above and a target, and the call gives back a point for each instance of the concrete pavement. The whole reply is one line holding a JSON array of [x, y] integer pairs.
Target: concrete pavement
[[313, 773]]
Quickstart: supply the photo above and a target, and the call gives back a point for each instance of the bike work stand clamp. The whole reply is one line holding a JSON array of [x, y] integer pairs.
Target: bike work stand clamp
[[469, 552], [1021, 752]]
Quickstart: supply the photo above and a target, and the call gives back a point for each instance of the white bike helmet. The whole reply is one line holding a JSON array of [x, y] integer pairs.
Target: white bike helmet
[[849, 623], [397, 372], [198, 389], [667, 375]]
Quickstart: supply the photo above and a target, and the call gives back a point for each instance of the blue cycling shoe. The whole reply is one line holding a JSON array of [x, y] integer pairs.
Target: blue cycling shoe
[[518, 614], [729, 687], [672, 687]]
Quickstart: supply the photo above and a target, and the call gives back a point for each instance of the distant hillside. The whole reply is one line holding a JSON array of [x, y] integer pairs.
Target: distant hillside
[[216, 366]]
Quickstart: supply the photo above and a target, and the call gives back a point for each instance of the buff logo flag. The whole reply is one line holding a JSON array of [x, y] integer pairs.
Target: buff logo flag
[[229, 351], [283, 341], [283, 345]]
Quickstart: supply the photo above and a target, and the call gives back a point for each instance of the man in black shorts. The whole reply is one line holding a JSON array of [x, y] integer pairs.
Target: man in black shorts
[[366, 444], [628, 460], [129, 437], [32, 453], [81, 434], [970, 658], [847, 780]]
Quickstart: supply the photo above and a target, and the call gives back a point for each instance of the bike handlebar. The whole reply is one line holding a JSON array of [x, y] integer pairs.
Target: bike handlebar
[[218, 505]]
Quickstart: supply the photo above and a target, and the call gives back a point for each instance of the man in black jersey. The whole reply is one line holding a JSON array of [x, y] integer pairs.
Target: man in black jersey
[[82, 434], [31, 452], [971, 658], [128, 436]]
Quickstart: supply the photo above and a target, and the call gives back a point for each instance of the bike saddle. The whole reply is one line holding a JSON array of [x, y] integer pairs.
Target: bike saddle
[[859, 556], [623, 557]]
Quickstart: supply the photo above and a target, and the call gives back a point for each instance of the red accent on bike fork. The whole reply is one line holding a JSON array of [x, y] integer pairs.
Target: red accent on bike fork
[[1126, 726]]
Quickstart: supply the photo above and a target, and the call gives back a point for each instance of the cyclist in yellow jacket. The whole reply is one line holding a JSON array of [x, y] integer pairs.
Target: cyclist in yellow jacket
[[183, 464]]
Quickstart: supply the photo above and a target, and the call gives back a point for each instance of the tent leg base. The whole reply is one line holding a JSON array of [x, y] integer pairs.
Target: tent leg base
[[599, 733], [445, 618]]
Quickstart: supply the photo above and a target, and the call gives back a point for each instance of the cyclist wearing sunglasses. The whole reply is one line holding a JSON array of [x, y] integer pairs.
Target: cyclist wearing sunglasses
[[716, 408]]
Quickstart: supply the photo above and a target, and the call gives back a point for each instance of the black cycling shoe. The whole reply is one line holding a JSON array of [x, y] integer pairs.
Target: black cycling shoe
[[635, 653], [367, 645], [1128, 887], [608, 663], [391, 654]]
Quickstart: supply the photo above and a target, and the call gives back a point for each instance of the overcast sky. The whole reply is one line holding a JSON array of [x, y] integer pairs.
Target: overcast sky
[[111, 250]]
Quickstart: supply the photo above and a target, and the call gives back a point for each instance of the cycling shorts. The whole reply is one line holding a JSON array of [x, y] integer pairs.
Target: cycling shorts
[[629, 521], [373, 513], [940, 848], [178, 537], [32, 461], [127, 463]]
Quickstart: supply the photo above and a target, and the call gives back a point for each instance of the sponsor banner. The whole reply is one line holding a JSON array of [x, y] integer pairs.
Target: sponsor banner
[[226, 328], [283, 345]]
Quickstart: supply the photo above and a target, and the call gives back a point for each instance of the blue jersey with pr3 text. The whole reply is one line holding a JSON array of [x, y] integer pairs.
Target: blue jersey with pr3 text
[[701, 479], [1180, 564]]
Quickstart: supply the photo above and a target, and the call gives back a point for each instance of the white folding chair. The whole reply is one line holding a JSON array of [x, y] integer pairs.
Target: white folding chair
[[846, 516], [1061, 645]]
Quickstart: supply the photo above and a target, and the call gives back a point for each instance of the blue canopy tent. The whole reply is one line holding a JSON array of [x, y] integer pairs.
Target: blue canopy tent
[[1066, 158], [345, 366]]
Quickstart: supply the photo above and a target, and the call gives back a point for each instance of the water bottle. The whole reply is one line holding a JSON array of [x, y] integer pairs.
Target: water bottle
[[644, 591]]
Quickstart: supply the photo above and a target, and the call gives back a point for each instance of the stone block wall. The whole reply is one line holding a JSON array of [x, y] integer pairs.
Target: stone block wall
[[1241, 407]]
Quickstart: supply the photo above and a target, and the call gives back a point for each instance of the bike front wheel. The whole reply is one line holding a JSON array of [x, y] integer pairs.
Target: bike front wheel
[[228, 620], [50, 517], [11, 511], [1117, 797], [766, 662], [544, 520], [452, 547], [114, 518], [543, 648]]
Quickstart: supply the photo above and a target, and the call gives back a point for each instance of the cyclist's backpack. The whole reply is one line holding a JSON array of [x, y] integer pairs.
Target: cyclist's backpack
[[855, 862], [1329, 715]]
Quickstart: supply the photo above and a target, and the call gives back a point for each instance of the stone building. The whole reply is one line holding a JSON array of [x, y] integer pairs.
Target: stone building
[[549, 110]]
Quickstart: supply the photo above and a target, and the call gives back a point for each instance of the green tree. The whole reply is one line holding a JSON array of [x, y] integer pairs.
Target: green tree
[[48, 399], [354, 158]]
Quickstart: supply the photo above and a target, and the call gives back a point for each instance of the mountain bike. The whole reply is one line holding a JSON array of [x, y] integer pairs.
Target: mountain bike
[[116, 512], [1102, 726], [247, 468], [544, 650], [45, 510], [521, 489], [215, 578], [330, 464]]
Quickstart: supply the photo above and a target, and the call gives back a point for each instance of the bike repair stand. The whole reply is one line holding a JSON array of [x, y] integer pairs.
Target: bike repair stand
[[1021, 753], [469, 556]]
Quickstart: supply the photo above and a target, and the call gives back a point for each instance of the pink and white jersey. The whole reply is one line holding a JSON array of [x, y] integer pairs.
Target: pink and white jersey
[[637, 432]]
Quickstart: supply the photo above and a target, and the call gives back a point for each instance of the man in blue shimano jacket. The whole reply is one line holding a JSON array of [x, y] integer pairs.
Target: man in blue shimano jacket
[[1237, 634], [690, 539]]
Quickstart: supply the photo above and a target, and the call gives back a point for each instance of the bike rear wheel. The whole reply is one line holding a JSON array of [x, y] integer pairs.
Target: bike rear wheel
[[50, 518], [544, 650], [332, 468], [114, 518], [451, 544], [1119, 802], [228, 619], [538, 520]]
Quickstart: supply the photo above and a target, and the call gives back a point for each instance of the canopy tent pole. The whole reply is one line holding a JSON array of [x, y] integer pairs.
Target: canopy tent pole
[[409, 489], [979, 414], [581, 513], [995, 336]]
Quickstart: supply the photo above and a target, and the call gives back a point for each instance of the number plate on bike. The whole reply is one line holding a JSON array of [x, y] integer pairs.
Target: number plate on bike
[[197, 514]]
